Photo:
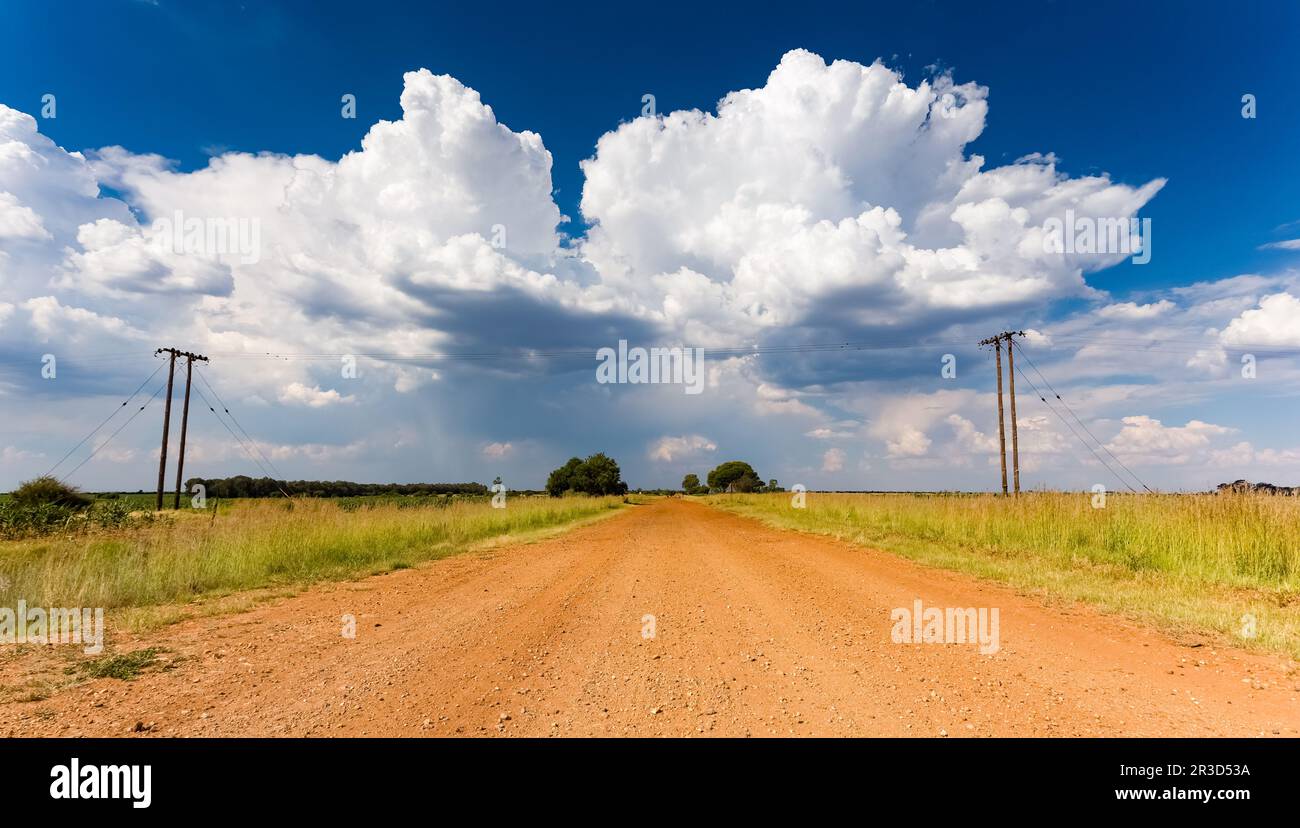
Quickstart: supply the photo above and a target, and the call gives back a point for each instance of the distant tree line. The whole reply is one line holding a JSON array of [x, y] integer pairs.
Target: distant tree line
[[1246, 487], [244, 486]]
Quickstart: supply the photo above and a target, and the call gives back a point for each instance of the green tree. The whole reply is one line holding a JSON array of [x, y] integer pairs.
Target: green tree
[[597, 475], [737, 474], [690, 483]]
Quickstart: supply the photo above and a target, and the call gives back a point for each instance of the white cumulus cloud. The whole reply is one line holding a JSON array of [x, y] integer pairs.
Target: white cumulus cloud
[[833, 460], [1275, 322], [295, 393], [668, 449]]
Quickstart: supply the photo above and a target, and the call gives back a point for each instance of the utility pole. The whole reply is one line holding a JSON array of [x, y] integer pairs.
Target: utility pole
[[185, 419], [1015, 431], [996, 342], [167, 417], [1002, 429]]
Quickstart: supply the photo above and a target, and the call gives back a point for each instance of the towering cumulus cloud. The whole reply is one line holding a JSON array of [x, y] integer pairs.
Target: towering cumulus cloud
[[833, 191], [835, 194]]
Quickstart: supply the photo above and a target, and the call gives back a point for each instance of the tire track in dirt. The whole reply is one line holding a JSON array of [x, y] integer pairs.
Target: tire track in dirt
[[757, 632]]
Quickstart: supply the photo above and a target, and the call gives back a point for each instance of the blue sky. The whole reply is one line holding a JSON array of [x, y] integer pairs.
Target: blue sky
[[1135, 92]]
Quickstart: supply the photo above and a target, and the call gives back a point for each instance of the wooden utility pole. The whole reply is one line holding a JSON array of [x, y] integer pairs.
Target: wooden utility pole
[[167, 417], [1015, 432], [996, 342], [185, 419], [1002, 429]]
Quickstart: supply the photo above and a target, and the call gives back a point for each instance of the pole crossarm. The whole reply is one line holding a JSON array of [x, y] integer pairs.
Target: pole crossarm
[[180, 353]]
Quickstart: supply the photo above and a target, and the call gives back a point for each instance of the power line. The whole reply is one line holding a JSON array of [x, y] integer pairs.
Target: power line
[[1149, 345], [1145, 347], [1081, 423], [587, 353], [1086, 445], [95, 430], [238, 425], [240, 441], [1155, 339], [115, 433]]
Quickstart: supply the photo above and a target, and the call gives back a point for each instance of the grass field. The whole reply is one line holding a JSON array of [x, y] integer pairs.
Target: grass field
[[251, 544], [1188, 563]]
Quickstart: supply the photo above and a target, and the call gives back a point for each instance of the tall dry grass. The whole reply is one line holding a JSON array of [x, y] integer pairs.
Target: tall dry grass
[[1189, 562], [261, 543]]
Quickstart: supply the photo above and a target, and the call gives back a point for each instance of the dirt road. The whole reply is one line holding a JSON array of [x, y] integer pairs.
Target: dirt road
[[756, 632]]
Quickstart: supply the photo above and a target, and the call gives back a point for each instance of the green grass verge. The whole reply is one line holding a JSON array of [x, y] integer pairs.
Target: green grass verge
[[1228, 566], [255, 544]]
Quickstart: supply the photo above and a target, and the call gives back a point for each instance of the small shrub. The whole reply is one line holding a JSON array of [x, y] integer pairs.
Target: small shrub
[[49, 490]]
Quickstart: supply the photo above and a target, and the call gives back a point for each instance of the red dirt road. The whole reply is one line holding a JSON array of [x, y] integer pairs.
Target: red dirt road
[[757, 632]]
